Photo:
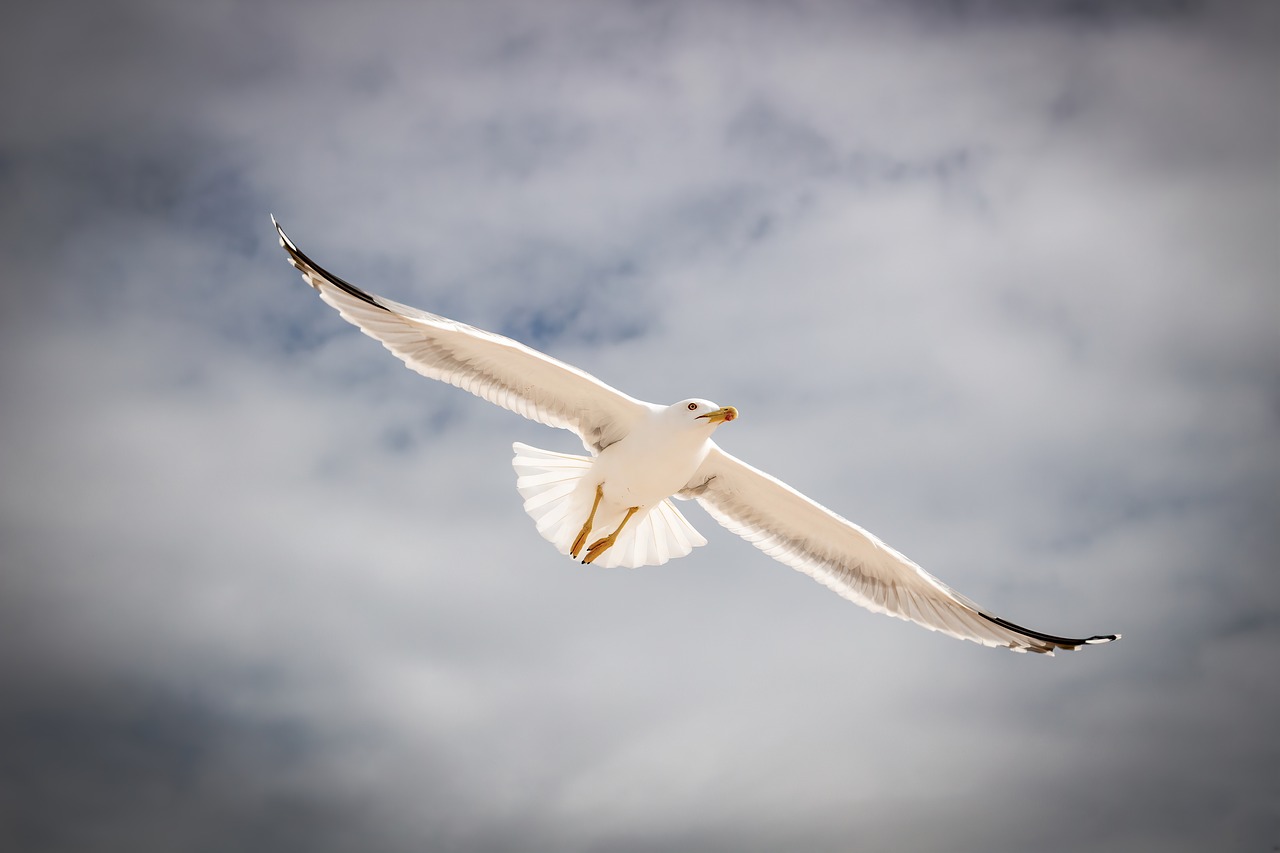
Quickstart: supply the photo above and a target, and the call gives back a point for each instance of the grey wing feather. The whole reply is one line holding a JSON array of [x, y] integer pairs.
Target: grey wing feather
[[495, 368], [802, 534]]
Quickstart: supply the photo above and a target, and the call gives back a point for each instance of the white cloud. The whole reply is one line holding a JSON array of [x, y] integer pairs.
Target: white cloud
[[1017, 272]]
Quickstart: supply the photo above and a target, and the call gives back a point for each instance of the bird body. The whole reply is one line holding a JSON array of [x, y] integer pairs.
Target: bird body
[[657, 458], [614, 507]]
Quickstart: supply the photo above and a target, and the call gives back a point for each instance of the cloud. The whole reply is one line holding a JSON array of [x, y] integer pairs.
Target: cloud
[[997, 284]]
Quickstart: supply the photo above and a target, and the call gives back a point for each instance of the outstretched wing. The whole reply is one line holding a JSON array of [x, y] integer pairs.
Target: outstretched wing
[[500, 370], [795, 530]]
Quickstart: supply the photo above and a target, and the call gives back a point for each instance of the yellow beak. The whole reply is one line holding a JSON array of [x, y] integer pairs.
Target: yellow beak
[[721, 415]]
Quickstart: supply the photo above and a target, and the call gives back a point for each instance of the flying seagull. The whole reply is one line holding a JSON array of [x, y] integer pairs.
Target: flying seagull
[[614, 507]]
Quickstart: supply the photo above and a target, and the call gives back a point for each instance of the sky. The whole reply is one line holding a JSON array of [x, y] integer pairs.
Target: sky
[[997, 280]]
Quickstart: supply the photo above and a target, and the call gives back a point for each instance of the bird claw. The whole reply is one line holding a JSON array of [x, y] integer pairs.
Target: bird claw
[[586, 527], [601, 545], [598, 547]]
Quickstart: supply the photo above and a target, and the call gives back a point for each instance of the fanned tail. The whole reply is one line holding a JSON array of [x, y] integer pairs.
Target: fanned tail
[[549, 483]]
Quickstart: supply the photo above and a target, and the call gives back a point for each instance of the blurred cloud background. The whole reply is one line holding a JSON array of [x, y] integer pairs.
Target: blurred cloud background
[[998, 280]]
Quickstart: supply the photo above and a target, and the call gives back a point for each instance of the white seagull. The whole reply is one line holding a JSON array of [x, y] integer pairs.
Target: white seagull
[[642, 455]]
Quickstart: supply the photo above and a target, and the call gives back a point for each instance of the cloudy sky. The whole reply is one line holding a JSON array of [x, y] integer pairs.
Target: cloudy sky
[[998, 280]]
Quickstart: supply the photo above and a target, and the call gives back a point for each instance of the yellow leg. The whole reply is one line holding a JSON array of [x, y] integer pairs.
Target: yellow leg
[[586, 528], [599, 547]]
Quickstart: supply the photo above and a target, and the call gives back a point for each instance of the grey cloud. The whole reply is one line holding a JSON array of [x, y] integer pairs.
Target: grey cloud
[[1091, 13], [1002, 294], [777, 145], [133, 764]]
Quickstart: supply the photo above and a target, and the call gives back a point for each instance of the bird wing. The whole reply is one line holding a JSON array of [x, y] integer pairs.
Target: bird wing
[[796, 531], [496, 368]]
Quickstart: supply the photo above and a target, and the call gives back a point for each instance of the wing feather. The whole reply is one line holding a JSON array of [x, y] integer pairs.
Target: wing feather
[[841, 555], [495, 368]]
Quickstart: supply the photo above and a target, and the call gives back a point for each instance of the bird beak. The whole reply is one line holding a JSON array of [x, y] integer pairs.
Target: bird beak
[[719, 416]]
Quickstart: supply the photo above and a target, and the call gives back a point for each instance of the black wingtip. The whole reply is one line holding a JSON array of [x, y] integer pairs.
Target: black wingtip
[[1050, 640], [310, 268], [285, 242]]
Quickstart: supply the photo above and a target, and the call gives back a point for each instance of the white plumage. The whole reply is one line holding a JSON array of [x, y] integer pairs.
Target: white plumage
[[642, 455], [558, 489]]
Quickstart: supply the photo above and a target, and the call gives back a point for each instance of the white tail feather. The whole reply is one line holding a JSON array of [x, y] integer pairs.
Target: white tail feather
[[548, 482]]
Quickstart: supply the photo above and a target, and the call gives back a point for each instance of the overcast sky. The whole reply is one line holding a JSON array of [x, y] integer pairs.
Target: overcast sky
[[998, 280]]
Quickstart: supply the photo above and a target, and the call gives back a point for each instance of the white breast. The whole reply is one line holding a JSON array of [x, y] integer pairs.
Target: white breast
[[655, 461]]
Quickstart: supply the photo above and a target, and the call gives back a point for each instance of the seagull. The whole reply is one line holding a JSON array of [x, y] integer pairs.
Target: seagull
[[614, 507]]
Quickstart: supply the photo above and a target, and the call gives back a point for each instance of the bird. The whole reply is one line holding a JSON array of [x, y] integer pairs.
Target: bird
[[615, 507]]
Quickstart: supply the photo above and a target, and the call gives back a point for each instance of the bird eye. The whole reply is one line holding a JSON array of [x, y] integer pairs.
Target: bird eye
[[693, 407]]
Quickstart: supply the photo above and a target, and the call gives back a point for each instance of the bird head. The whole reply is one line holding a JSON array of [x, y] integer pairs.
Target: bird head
[[704, 411]]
